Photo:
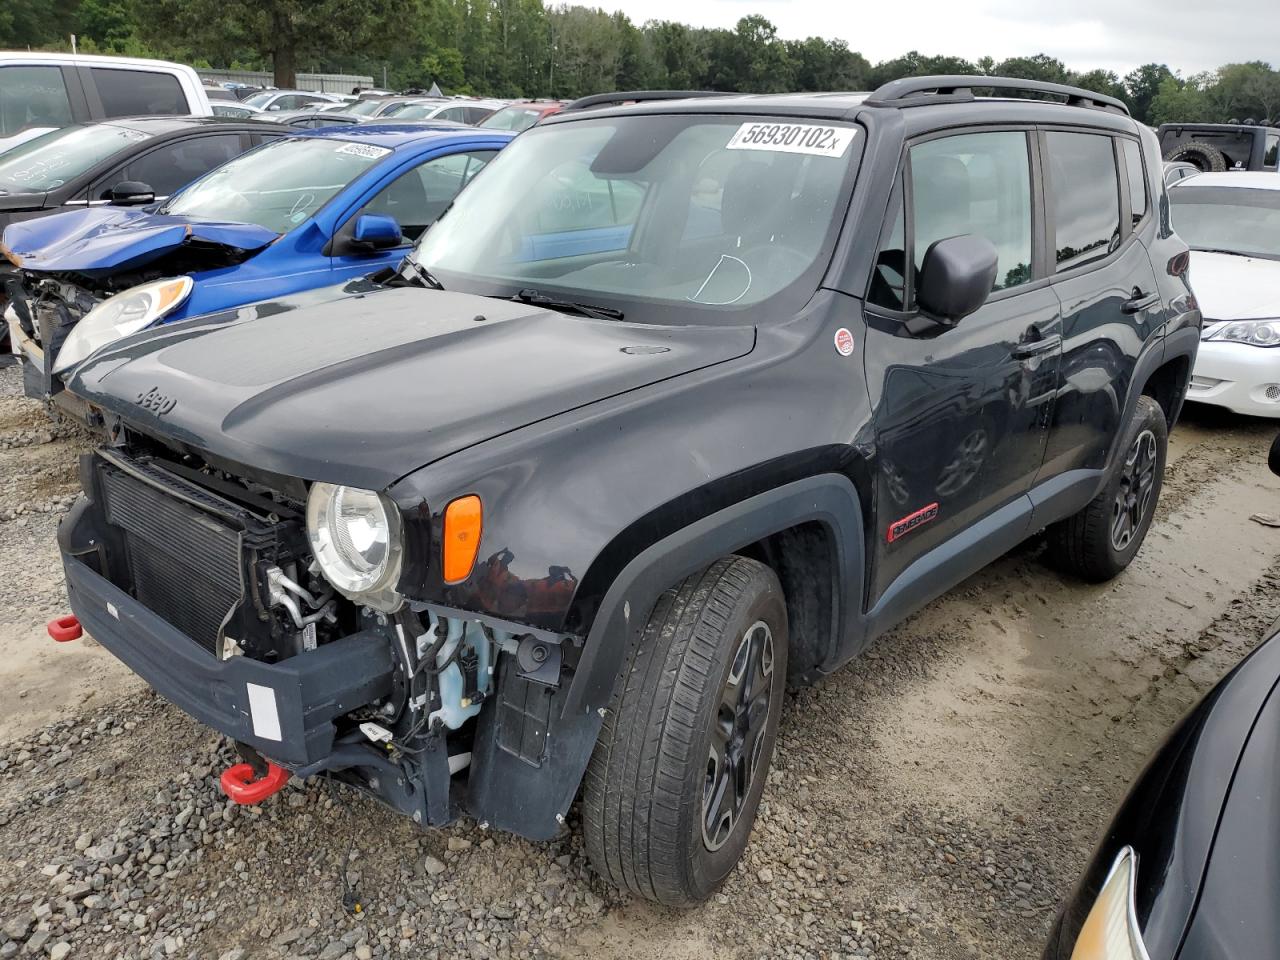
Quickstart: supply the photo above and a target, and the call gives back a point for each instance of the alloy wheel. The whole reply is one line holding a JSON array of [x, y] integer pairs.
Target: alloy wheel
[[737, 735], [1133, 498]]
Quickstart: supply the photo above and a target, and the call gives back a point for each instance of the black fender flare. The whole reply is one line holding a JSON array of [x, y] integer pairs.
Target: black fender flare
[[1183, 342], [827, 498]]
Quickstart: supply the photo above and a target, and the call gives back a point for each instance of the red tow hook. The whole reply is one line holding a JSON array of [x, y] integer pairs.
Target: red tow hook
[[239, 784], [65, 628]]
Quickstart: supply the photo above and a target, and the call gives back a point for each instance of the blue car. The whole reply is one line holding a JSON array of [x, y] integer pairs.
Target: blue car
[[306, 211]]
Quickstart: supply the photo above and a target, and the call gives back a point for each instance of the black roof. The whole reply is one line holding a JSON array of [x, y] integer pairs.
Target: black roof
[[926, 96]]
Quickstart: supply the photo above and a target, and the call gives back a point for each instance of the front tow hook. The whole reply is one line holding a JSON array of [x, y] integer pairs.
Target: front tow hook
[[241, 785], [65, 628]]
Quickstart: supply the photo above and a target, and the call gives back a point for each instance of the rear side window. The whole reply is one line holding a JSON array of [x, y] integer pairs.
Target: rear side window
[[1273, 148], [978, 183], [1086, 197], [172, 166], [1137, 180], [136, 93], [32, 97]]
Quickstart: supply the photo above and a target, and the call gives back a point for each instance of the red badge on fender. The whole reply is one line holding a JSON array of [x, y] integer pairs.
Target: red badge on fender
[[844, 342]]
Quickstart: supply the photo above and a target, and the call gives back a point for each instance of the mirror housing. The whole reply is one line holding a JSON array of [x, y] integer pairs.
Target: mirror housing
[[956, 277], [131, 193], [373, 231]]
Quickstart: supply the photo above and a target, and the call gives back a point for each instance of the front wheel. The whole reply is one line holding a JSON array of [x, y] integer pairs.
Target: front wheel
[[1103, 538], [673, 785]]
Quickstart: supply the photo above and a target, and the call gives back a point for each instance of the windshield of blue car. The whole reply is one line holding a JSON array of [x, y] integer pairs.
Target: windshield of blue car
[[693, 211], [279, 185], [1227, 219], [49, 161]]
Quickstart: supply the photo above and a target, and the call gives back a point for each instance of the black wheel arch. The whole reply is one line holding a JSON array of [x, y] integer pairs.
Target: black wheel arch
[[788, 526]]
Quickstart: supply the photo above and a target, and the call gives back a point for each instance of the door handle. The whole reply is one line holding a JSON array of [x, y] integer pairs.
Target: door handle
[[1036, 341], [1140, 301]]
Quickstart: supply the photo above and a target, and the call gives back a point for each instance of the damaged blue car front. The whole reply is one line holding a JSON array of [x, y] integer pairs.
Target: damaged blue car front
[[300, 213]]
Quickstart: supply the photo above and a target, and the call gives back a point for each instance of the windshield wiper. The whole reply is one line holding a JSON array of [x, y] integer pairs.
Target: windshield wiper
[[536, 299], [425, 276]]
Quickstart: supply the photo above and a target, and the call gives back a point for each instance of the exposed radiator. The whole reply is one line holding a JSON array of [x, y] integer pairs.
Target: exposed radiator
[[186, 566]]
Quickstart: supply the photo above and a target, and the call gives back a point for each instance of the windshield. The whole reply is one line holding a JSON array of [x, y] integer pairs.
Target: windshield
[[513, 118], [364, 108], [415, 111], [279, 185], [1231, 219], [261, 99], [49, 161], [690, 211]]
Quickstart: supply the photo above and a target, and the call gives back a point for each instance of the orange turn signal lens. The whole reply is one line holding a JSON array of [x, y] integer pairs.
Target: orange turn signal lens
[[463, 520]]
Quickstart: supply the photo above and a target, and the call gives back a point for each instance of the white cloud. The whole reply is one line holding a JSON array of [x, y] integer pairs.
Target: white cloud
[[1188, 35]]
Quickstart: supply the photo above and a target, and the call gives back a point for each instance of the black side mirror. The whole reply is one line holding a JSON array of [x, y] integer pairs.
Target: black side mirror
[[1273, 458], [956, 277], [131, 193]]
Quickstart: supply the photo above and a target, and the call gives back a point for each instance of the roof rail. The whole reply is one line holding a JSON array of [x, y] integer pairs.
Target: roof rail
[[920, 91], [639, 96]]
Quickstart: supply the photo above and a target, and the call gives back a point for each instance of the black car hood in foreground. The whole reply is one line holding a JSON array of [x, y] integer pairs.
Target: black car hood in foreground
[[362, 390]]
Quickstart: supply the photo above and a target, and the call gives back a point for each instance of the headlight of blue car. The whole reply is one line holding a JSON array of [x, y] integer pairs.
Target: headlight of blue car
[[128, 312]]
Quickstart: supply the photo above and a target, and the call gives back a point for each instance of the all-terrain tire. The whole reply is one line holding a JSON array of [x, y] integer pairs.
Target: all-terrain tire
[[643, 797], [1203, 156], [1101, 540]]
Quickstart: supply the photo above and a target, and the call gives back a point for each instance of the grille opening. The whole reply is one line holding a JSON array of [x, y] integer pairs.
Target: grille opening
[[185, 565]]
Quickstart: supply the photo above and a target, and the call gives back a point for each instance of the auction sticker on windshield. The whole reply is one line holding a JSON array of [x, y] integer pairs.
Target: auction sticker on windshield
[[366, 150], [810, 138]]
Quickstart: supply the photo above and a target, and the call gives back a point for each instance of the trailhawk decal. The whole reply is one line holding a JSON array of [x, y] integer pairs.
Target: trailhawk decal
[[844, 342], [900, 528], [810, 138]]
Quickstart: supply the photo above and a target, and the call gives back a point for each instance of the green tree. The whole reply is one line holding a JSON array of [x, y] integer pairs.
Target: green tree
[[289, 32], [1178, 100], [1142, 85], [1040, 67], [1099, 81]]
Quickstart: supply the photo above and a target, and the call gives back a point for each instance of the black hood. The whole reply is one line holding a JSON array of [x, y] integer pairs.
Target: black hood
[[364, 389]]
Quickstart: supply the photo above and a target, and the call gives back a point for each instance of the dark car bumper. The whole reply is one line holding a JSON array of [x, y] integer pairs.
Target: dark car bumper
[[284, 710]]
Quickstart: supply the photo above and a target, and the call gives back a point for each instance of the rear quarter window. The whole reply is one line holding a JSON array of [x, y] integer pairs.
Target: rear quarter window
[[1137, 179], [136, 93]]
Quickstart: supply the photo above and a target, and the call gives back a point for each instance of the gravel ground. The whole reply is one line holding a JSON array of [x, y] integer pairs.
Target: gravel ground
[[935, 799]]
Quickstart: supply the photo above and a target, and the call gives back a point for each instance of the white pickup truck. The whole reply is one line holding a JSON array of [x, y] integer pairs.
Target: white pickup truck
[[43, 91]]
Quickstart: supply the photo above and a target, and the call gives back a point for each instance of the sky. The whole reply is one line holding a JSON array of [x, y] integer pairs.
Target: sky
[[1188, 35]]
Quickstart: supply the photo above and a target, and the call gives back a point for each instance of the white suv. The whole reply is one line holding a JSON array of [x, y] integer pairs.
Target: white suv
[[43, 91]]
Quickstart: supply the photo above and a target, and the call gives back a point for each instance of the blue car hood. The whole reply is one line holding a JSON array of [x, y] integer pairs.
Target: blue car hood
[[101, 239]]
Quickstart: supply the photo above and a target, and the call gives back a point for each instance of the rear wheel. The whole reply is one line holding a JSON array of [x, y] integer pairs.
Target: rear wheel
[[673, 786], [1103, 538]]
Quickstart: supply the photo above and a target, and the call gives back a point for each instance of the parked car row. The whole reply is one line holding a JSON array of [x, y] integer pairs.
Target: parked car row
[[487, 471]]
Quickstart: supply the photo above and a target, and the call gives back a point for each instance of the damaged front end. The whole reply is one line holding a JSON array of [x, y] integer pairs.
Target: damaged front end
[[205, 582], [65, 268]]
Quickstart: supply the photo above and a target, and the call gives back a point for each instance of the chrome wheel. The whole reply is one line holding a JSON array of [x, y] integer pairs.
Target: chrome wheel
[[737, 734], [1133, 498]]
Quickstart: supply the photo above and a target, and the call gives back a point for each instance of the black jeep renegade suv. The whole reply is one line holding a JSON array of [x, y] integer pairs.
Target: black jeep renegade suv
[[681, 400]]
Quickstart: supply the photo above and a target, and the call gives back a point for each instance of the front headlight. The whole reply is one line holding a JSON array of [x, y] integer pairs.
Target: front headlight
[[1110, 932], [356, 538], [1256, 333], [128, 312]]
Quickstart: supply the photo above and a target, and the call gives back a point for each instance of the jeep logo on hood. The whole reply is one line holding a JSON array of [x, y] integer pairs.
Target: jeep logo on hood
[[156, 402]]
